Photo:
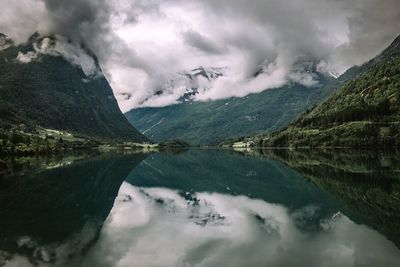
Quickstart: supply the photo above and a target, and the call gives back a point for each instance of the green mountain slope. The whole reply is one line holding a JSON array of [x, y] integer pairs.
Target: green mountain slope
[[213, 121], [364, 112], [51, 92]]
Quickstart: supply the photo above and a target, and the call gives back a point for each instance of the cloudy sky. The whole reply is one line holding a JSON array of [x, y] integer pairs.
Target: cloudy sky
[[141, 44]]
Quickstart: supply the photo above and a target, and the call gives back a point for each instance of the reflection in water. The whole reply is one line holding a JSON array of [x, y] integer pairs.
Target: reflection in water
[[234, 174], [53, 214], [367, 182], [205, 208], [161, 227]]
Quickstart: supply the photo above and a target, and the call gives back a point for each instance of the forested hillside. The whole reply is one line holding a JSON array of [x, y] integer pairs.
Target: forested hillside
[[364, 112], [44, 89], [211, 122]]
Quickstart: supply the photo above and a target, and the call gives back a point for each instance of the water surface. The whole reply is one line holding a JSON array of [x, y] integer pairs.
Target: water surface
[[204, 208]]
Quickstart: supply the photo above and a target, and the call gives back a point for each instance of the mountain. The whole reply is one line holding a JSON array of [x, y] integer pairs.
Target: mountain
[[188, 84], [364, 112], [212, 121], [49, 83], [5, 42]]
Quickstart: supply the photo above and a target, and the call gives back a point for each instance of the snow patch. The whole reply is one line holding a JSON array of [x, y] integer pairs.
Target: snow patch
[[26, 58], [185, 86]]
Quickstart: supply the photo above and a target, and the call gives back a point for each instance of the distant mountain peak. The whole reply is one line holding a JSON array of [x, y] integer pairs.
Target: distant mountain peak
[[39, 45], [34, 37], [5, 42], [209, 73], [305, 72], [187, 84]]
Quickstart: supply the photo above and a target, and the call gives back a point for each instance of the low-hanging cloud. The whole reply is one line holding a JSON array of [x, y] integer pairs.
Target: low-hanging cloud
[[142, 44], [60, 46]]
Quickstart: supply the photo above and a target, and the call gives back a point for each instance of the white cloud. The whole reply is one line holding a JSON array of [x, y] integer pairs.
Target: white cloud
[[152, 227], [73, 53], [60, 46], [223, 230], [151, 41], [27, 57]]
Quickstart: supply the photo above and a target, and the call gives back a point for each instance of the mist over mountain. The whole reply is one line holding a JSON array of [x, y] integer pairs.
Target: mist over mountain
[[199, 133], [240, 35], [256, 46], [185, 86], [363, 112], [210, 122]]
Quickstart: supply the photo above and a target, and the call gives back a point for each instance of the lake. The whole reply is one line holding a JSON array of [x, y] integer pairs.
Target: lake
[[202, 208]]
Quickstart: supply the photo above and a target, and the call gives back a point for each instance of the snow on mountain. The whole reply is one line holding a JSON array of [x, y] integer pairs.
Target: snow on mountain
[[185, 85], [334, 75], [198, 83]]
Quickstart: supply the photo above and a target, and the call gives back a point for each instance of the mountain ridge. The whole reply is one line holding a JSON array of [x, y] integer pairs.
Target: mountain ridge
[[209, 122], [44, 88], [364, 112]]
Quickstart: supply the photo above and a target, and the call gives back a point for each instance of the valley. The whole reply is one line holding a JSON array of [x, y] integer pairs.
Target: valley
[[199, 133]]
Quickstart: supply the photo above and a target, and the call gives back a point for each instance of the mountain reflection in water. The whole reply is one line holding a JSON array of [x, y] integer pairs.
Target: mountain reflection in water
[[206, 208], [52, 213]]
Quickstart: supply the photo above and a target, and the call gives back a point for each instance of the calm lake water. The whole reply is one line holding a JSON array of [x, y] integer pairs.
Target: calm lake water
[[203, 208]]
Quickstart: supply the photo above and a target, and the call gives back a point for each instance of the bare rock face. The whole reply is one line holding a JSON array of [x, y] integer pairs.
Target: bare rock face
[[5, 42]]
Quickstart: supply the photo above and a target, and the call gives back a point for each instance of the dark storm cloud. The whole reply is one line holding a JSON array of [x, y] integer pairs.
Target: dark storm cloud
[[69, 17], [86, 21], [313, 27], [90, 22], [373, 27], [19, 19], [141, 43]]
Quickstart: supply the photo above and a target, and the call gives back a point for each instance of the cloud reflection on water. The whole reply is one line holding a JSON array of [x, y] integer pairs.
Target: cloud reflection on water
[[161, 227]]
